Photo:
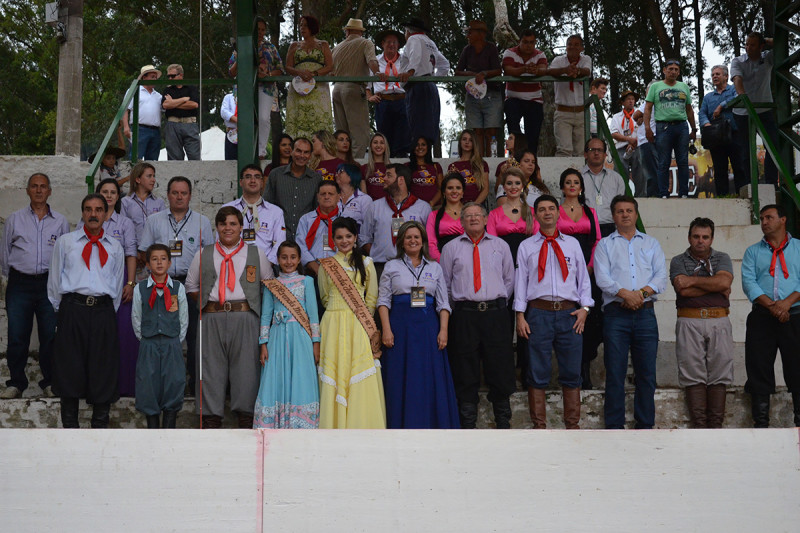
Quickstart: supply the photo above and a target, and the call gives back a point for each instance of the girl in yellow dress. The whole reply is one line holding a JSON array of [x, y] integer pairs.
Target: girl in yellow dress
[[351, 386]]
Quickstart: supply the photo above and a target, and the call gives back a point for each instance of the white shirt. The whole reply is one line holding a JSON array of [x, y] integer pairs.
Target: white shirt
[[424, 57], [239, 263], [616, 127], [227, 110], [565, 96], [641, 132], [379, 87], [271, 231], [149, 108]]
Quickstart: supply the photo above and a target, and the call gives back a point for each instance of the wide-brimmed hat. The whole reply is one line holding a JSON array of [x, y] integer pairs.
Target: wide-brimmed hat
[[478, 25], [354, 24], [415, 22], [119, 152], [625, 94], [401, 39], [149, 68]]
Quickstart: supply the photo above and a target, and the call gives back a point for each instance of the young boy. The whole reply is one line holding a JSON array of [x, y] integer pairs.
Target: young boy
[[160, 317]]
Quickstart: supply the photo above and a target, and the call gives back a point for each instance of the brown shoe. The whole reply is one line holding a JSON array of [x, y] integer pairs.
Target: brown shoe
[[537, 404], [697, 401], [212, 422], [245, 420], [716, 395], [572, 407]]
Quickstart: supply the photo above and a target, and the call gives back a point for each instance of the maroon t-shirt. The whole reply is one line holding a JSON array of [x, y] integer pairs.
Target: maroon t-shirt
[[424, 181], [327, 169], [464, 168], [375, 181]]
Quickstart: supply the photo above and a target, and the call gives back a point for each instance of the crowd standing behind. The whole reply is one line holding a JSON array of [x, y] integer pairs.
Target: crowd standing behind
[[394, 285]]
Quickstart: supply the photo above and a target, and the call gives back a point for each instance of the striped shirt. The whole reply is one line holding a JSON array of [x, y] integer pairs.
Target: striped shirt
[[524, 91], [352, 56], [295, 195]]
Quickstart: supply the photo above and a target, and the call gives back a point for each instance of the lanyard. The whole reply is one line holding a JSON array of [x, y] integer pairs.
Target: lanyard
[[411, 269], [174, 225], [601, 181]]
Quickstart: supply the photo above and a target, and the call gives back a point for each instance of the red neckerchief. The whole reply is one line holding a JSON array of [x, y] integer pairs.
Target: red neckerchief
[[408, 202], [559, 255], [87, 250], [778, 253], [226, 274], [312, 232], [154, 294]]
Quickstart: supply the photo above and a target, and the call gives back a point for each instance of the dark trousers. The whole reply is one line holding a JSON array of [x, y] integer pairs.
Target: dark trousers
[[529, 111], [87, 345], [391, 120], [742, 128], [26, 297], [720, 157], [475, 337], [422, 110], [648, 158], [191, 340], [636, 331], [765, 335], [231, 150]]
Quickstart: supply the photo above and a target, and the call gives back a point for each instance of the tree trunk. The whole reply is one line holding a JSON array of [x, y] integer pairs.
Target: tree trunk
[[698, 50], [736, 38], [654, 15], [504, 34]]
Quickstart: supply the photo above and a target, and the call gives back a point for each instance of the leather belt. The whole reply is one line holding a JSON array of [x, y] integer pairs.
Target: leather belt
[[390, 97], [670, 121], [184, 120], [88, 301], [149, 127], [227, 307], [467, 305], [703, 312], [13, 272], [552, 305], [646, 305], [569, 108]]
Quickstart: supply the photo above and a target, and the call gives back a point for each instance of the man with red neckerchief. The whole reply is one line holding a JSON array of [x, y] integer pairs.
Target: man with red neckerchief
[[552, 298], [85, 287], [771, 280], [479, 273], [229, 274], [315, 229], [389, 97], [385, 216], [625, 131]]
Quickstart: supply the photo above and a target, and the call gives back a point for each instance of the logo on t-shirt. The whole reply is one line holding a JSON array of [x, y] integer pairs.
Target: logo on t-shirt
[[376, 178], [672, 98], [423, 177], [326, 174], [468, 177]]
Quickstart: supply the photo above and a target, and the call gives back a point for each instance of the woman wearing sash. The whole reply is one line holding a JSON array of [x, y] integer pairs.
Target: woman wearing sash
[[444, 224], [414, 310], [288, 396], [351, 389]]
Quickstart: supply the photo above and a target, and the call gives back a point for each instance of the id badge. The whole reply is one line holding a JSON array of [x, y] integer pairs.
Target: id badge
[[396, 223], [249, 235], [325, 247], [599, 199], [175, 247], [417, 296]]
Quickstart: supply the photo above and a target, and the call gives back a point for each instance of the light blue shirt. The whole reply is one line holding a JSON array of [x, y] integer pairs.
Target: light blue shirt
[[623, 264], [183, 310], [138, 211], [68, 272], [28, 242], [377, 226], [756, 279], [399, 276], [162, 228], [121, 228], [317, 250], [714, 99]]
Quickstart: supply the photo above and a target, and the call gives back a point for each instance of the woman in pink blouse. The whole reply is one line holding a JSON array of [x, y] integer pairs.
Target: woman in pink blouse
[[426, 176], [513, 221], [472, 166], [580, 221], [444, 224], [373, 171]]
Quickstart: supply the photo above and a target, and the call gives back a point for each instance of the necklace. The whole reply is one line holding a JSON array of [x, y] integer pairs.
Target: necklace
[[515, 210]]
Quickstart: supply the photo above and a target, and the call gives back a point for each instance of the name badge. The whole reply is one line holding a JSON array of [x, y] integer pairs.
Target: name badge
[[417, 296], [396, 223], [175, 247], [599, 199], [249, 235], [325, 247]]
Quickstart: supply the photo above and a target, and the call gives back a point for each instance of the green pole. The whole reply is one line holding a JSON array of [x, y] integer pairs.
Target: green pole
[[246, 87]]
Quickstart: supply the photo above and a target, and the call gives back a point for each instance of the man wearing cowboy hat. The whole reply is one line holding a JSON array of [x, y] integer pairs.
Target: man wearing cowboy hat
[[389, 97], [149, 115], [355, 56], [422, 102], [625, 131]]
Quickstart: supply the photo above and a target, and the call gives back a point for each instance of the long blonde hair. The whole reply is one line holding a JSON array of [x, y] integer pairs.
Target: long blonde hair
[[475, 160], [527, 216], [371, 158], [328, 144]]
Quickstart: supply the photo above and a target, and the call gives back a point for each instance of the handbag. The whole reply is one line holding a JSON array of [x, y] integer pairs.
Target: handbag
[[718, 135]]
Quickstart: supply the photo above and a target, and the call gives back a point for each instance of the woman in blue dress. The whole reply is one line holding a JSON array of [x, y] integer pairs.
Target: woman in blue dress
[[414, 310], [288, 396]]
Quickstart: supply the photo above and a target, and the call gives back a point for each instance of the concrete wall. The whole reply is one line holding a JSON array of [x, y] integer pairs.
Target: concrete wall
[[252, 481]]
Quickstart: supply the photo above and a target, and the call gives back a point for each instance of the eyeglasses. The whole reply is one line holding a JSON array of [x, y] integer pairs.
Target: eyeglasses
[[171, 76], [595, 150]]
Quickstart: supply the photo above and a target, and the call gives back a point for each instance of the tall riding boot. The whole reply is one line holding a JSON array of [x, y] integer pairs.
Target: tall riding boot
[[100, 415], [716, 405], [212, 422], [760, 410], [468, 412], [169, 419], [796, 405], [245, 420], [153, 421], [572, 407], [69, 413], [586, 375], [537, 405], [502, 414], [698, 404]]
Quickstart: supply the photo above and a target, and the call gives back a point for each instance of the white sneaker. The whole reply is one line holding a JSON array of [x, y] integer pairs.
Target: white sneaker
[[47, 392], [10, 393]]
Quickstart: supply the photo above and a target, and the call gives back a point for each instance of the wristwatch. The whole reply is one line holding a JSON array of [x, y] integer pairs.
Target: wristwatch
[[586, 308], [131, 284], [645, 294]]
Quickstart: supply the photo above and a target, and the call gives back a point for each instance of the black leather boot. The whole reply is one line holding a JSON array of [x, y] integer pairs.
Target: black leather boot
[[69, 413], [169, 419], [796, 405], [760, 410], [153, 421], [586, 377], [100, 415], [469, 415], [502, 414]]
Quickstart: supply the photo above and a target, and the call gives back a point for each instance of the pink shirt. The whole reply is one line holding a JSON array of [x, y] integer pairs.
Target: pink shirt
[[582, 227], [471, 191], [499, 224], [447, 226]]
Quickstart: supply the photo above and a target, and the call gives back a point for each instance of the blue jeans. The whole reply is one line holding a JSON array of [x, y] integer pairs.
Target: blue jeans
[[26, 296], [669, 138], [392, 121], [532, 113], [636, 331], [648, 157], [149, 143], [552, 330], [484, 113]]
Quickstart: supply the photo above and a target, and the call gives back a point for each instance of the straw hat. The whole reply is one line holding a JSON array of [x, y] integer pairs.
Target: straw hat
[[147, 69]]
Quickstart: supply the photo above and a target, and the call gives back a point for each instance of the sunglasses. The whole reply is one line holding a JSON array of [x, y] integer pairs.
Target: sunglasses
[[673, 63], [172, 76]]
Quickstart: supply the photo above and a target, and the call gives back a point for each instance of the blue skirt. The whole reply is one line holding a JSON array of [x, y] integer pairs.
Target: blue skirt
[[416, 374]]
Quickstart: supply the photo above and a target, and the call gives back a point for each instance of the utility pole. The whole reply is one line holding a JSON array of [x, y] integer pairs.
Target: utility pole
[[70, 76]]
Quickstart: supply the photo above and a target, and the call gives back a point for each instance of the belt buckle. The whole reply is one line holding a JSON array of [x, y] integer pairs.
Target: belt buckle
[[704, 313], [483, 306], [226, 307], [90, 301], [557, 305]]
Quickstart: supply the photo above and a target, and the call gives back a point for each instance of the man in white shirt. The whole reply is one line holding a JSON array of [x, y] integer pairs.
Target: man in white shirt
[[624, 131], [389, 96], [568, 118], [149, 136]]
